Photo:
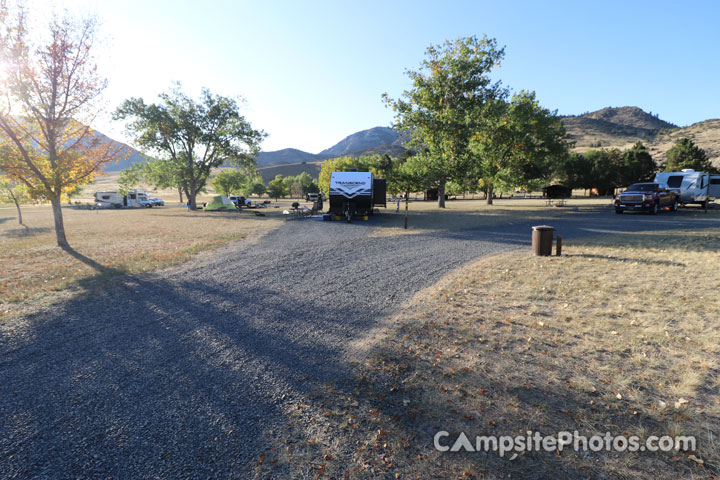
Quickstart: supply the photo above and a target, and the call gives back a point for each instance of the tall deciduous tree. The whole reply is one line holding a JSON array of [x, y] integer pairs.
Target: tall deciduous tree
[[50, 83], [194, 137], [516, 142], [685, 154], [277, 187], [437, 112]]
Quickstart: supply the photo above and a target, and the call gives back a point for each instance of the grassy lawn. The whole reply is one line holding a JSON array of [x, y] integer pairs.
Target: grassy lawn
[[618, 335], [467, 213], [121, 241]]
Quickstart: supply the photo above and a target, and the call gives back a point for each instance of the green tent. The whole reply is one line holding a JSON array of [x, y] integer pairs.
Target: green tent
[[220, 203]]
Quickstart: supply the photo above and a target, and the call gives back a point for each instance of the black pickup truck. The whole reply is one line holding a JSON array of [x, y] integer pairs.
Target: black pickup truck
[[648, 197]]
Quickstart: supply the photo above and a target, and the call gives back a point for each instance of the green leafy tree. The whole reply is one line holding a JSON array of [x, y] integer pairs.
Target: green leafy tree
[[131, 177], [162, 174], [229, 182], [637, 165], [277, 187], [305, 181], [253, 186], [517, 143], [575, 171], [288, 184], [409, 175], [685, 154], [439, 111], [195, 136], [604, 165], [15, 192]]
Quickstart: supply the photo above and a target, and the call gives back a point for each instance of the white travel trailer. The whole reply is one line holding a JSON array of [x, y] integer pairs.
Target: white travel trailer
[[134, 199], [694, 187]]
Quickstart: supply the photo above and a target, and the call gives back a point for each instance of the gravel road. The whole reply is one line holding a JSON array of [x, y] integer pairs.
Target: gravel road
[[178, 374]]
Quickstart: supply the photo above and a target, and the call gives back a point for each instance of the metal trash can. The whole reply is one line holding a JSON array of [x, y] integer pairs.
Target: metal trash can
[[542, 240]]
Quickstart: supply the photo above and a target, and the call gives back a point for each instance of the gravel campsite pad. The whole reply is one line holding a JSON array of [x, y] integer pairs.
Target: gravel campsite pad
[[182, 373]]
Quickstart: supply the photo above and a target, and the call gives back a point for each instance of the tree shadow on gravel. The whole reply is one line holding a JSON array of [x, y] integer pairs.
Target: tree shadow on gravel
[[152, 378]]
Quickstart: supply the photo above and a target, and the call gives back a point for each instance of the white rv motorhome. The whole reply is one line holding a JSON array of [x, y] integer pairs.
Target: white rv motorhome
[[694, 187], [134, 199], [108, 200]]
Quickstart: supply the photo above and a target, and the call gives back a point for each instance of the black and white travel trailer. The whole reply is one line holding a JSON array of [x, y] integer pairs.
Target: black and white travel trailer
[[355, 194], [693, 187]]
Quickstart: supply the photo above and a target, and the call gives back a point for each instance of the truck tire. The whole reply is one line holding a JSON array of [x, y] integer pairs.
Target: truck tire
[[675, 206], [619, 211]]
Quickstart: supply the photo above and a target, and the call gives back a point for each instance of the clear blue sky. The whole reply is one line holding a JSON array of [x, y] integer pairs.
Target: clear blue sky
[[312, 72]]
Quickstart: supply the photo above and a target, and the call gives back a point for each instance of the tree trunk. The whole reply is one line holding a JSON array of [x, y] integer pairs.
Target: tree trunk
[[191, 196], [59, 225], [17, 205], [180, 194], [407, 197], [441, 195], [490, 194]]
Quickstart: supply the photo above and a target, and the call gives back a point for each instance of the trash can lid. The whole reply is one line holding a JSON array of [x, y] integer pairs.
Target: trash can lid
[[543, 227]]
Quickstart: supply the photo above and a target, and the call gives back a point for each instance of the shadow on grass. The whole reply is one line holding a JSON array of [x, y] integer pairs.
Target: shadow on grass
[[25, 231], [647, 261], [694, 239], [99, 268]]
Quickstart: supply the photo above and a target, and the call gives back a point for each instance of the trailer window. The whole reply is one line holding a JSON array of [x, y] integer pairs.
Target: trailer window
[[715, 181], [675, 181], [105, 197]]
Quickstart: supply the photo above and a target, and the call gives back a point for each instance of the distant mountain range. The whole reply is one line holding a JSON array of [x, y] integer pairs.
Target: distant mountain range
[[606, 128], [375, 140], [130, 155]]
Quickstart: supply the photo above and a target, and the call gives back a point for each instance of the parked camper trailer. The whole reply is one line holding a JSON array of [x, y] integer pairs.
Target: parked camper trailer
[[134, 199], [355, 193], [694, 187]]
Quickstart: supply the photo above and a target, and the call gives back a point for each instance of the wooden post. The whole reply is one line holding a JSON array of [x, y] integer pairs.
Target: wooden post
[[558, 246], [707, 197], [406, 208]]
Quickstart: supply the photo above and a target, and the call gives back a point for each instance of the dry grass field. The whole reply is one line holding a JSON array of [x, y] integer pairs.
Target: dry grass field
[[468, 213], [109, 182], [120, 241], [618, 335]]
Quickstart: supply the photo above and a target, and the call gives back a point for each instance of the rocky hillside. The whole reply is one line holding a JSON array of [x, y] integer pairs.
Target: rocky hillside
[[363, 141], [621, 127]]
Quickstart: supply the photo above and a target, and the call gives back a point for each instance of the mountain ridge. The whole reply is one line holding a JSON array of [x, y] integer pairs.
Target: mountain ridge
[[610, 127]]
